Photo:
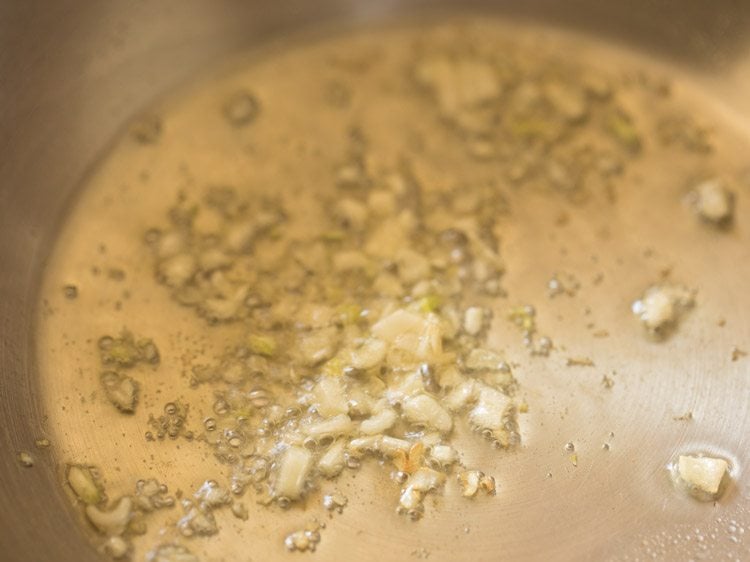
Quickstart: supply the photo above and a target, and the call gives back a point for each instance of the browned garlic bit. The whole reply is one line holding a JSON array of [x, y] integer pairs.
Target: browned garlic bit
[[472, 481]]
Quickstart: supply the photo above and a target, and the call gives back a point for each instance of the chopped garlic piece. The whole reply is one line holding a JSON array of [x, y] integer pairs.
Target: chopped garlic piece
[[405, 385], [177, 270], [116, 547], [121, 390], [661, 306], [369, 355], [471, 481], [304, 539], [491, 413], [335, 426], [197, 522], [83, 483], [389, 446], [484, 359], [211, 495], [332, 461], [335, 501], [474, 320], [378, 423], [424, 409], [25, 459], [294, 469], [410, 499], [712, 201], [461, 396], [317, 346], [430, 344], [448, 377], [384, 444], [487, 483], [330, 397], [443, 455], [114, 521], [702, 474], [432, 438], [262, 345], [239, 510], [426, 479], [420, 483], [363, 444], [490, 408], [397, 324]]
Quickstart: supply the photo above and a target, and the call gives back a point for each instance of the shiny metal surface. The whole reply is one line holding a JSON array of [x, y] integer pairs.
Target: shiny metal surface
[[72, 72]]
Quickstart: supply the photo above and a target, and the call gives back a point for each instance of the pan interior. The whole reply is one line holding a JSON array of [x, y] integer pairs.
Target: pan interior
[[608, 407]]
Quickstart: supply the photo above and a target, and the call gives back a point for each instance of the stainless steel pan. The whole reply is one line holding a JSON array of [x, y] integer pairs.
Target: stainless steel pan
[[72, 71]]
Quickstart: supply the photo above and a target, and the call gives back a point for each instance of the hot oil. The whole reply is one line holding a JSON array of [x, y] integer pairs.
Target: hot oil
[[296, 126]]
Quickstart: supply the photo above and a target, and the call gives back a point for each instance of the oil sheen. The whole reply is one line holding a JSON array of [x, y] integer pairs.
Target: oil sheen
[[347, 230]]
